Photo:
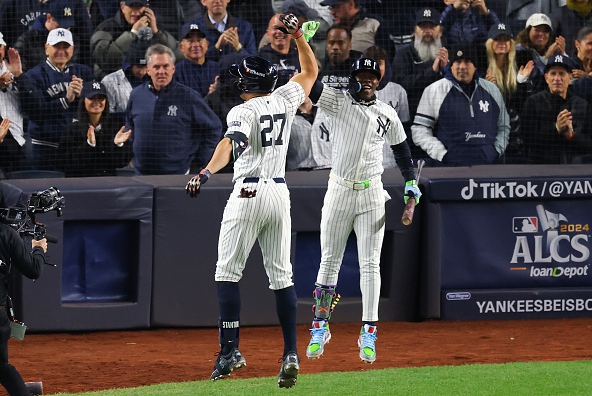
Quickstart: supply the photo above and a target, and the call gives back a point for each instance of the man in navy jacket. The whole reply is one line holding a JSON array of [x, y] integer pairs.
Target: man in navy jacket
[[172, 126], [461, 119], [49, 94]]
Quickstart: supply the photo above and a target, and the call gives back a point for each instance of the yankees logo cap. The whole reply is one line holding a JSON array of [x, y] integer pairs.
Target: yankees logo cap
[[61, 11], [499, 29], [59, 35], [559, 60], [93, 88], [538, 20], [427, 15], [189, 28]]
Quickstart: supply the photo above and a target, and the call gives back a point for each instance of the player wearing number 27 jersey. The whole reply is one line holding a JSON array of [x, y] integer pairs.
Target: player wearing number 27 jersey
[[259, 207], [264, 122]]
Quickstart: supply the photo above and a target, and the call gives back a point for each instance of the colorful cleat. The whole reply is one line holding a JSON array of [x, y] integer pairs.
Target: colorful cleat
[[366, 342], [320, 336], [289, 371], [226, 364]]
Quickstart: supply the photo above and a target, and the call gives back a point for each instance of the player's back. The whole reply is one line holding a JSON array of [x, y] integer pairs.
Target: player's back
[[267, 123]]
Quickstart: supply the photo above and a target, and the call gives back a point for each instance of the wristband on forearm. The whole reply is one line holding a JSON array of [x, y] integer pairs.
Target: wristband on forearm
[[297, 34]]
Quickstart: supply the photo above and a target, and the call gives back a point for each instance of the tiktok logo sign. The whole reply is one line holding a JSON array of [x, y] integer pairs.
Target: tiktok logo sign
[[551, 244]]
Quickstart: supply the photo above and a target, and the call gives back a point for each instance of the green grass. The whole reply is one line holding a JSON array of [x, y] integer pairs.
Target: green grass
[[528, 379]]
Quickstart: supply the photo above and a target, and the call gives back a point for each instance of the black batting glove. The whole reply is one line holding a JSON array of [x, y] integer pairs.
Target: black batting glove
[[291, 25], [194, 185]]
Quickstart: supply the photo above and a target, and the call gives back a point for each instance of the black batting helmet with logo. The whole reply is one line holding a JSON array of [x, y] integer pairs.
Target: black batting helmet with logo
[[365, 64], [361, 65], [255, 75]]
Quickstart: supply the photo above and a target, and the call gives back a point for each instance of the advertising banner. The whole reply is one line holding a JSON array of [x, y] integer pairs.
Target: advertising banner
[[488, 189], [516, 244], [515, 304]]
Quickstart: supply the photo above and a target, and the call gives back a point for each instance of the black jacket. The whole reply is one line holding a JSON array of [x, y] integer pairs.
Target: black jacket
[[413, 74], [13, 251], [544, 144], [81, 159]]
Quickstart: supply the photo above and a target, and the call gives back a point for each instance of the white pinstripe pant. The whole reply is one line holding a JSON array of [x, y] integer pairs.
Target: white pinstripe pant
[[362, 211], [265, 217]]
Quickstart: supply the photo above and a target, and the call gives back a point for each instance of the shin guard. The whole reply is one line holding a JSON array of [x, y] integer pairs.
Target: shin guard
[[325, 300]]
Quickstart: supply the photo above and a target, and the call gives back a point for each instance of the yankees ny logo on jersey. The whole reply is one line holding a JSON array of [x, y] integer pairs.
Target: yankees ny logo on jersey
[[484, 106], [172, 111], [382, 126], [324, 132]]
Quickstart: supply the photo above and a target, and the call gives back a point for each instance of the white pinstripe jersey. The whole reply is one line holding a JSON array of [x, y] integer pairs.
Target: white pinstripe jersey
[[358, 133], [266, 121]]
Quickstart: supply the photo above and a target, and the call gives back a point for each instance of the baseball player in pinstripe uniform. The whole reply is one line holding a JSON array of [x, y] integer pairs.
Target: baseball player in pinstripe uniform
[[259, 206], [355, 197]]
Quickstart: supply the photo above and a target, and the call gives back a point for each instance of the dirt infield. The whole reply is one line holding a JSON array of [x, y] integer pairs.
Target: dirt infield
[[76, 362]]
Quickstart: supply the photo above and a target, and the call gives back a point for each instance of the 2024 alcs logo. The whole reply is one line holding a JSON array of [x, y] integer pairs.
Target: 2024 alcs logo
[[562, 242]]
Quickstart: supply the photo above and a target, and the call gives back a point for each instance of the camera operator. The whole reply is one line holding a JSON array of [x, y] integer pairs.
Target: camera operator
[[13, 251]]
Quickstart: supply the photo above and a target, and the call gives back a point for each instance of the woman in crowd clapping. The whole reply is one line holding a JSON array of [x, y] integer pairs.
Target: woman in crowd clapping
[[538, 43], [503, 71], [94, 144]]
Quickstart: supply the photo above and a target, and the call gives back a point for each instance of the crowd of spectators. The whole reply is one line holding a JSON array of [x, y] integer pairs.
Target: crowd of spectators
[[469, 79]]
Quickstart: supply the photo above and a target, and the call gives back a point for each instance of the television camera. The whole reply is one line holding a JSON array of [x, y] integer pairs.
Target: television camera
[[21, 217]]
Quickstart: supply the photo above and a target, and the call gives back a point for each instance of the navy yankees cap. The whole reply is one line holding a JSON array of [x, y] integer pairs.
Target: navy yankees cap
[[427, 15], [61, 11], [499, 29], [189, 28], [559, 60], [92, 88]]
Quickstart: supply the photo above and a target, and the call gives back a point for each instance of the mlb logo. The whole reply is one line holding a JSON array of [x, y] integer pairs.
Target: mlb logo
[[525, 224]]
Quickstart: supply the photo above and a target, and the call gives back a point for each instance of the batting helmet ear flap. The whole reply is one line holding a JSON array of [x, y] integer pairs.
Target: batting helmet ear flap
[[354, 86]]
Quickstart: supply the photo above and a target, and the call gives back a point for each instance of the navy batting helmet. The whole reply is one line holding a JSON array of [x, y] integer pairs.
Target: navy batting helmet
[[365, 64], [255, 75], [361, 65]]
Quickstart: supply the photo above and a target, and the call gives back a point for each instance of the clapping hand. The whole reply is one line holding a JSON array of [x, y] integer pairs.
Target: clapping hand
[[229, 36], [557, 48], [74, 89], [90, 136], [4, 127], [122, 136], [525, 70]]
